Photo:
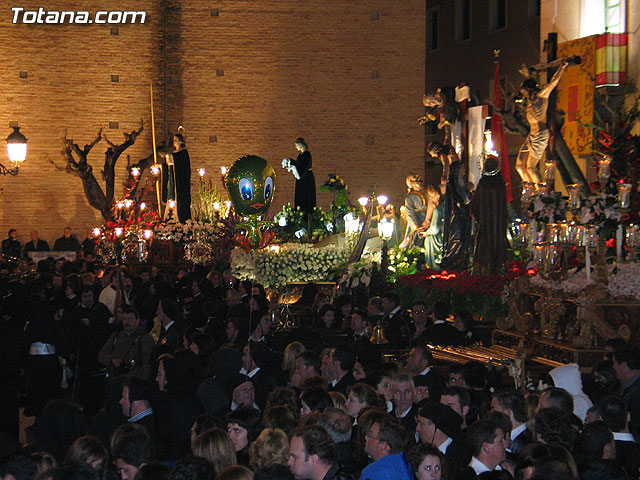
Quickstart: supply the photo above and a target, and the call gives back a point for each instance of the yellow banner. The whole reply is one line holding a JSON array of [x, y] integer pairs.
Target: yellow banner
[[576, 93]]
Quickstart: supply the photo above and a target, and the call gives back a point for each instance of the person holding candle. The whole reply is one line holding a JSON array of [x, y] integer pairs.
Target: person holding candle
[[305, 190]]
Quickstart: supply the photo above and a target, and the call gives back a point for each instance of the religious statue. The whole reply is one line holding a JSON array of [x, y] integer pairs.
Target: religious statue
[[537, 102], [176, 179]]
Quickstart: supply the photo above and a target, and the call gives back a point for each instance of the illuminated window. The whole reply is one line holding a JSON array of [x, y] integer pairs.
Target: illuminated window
[[600, 16]]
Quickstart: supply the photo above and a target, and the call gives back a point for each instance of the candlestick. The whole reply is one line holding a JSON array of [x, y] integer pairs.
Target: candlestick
[[624, 194], [574, 196], [604, 170], [550, 172], [587, 261], [619, 243]]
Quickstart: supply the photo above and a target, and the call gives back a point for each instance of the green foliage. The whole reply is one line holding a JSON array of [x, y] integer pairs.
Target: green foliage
[[209, 203], [404, 261], [293, 225]]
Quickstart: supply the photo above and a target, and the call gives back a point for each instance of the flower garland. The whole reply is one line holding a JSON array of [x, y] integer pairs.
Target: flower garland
[[289, 263], [547, 207]]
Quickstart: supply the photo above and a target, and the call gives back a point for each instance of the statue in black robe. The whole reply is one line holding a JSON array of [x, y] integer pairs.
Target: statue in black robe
[[305, 190], [489, 208], [176, 178]]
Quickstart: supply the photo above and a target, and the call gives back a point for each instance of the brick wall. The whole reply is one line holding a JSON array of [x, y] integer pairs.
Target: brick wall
[[241, 76]]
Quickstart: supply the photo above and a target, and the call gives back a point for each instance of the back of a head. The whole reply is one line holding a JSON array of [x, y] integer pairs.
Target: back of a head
[[235, 472], [317, 441], [613, 410], [592, 440], [475, 374], [131, 443], [629, 354], [274, 472], [513, 400], [393, 433], [271, 447], [214, 446], [345, 358], [191, 467], [337, 423], [19, 466], [139, 389], [73, 471], [552, 470], [154, 471], [440, 310], [553, 426], [559, 398]]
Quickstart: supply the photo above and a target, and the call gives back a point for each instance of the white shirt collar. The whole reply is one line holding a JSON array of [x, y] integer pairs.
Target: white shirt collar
[[405, 412], [170, 323], [480, 467], [395, 310], [425, 371], [444, 445], [518, 430], [623, 437], [243, 371]]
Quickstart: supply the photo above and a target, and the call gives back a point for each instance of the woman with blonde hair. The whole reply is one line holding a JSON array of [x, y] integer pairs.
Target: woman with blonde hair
[[215, 446], [271, 447], [289, 359], [415, 209]]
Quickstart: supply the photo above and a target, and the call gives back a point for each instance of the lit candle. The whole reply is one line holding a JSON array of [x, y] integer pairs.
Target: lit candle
[[155, 170], [574, 196], [135, 172], [202, 172], [148, 234], [97, 232], [171, 203], [604, 170], [118, 231], [223, 170], [143, 206], [624, 193], [549, 172]]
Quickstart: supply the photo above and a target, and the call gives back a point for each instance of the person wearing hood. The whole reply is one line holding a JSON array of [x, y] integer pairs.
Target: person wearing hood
[[439, 426], [568, 377]]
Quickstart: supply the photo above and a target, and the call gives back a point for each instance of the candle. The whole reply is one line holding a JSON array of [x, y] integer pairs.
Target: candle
[[574, 196], [549, 172], [619, 243], [587, 261], [604, 170], [624, 193]]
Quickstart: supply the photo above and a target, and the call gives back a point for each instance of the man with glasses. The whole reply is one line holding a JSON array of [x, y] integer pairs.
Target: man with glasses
[[385, 443]]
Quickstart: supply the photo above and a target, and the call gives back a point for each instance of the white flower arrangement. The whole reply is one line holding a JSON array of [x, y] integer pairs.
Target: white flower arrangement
[[184, 231], [626, 282], [360, 273], [292, 262], [600, 207], [574, 283]]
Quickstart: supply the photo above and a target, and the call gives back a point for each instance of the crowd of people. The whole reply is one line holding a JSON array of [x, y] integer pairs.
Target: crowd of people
[[148, 375]]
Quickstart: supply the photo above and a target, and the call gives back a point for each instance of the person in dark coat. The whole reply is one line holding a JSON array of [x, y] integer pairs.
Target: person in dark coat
[[67, 242], [305, 190], [441, 333], [178, 405], [596, 454], [11, 246], [170, 316], [35, 244]]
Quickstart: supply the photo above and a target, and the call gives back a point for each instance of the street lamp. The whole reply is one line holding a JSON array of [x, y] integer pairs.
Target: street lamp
[[16, 151]]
